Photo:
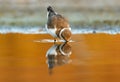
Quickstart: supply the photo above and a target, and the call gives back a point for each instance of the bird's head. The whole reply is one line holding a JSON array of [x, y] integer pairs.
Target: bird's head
[[50, 9]]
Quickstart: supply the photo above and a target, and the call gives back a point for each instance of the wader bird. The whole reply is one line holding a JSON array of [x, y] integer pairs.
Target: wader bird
[[57, 26]]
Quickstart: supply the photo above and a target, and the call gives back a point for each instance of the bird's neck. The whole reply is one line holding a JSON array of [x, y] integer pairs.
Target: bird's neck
[[50, 14]]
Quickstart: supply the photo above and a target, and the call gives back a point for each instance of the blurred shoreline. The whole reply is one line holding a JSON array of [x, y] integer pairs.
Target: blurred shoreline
[[78, 12]]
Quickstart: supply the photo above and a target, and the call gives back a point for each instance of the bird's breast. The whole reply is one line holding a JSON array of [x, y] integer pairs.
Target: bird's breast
[[52, 31]]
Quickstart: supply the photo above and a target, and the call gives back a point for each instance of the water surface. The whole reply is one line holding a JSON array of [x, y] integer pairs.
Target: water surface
[[91, 58]]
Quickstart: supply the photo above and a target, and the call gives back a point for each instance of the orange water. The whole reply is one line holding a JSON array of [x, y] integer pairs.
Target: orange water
[[94, 58]]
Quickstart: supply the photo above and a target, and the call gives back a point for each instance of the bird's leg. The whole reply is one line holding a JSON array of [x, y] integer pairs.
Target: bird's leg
[[55, 40], [66, 41]]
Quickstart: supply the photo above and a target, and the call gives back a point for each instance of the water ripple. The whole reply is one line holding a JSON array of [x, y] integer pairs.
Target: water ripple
[[41, 30]]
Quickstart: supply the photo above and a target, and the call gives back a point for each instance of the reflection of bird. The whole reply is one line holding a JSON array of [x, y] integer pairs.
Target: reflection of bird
[[58, 54], [57, 25]]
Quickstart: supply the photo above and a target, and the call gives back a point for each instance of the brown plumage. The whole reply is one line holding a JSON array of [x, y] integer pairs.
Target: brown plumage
[[58, 26], [66, 35]]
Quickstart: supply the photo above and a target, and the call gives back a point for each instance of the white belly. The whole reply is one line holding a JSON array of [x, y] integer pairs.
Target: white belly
[[51, 31]]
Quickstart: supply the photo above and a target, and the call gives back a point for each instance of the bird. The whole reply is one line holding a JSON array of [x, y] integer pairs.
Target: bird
[[58, 26]]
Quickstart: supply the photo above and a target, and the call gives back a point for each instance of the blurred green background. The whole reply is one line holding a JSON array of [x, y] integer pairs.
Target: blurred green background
[[78, 12]]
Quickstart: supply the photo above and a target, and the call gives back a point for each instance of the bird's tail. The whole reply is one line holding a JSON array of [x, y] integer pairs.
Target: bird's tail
[[65, 34]]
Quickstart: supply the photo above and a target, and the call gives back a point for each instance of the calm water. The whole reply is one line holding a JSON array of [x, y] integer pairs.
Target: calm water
[[35, 58]]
